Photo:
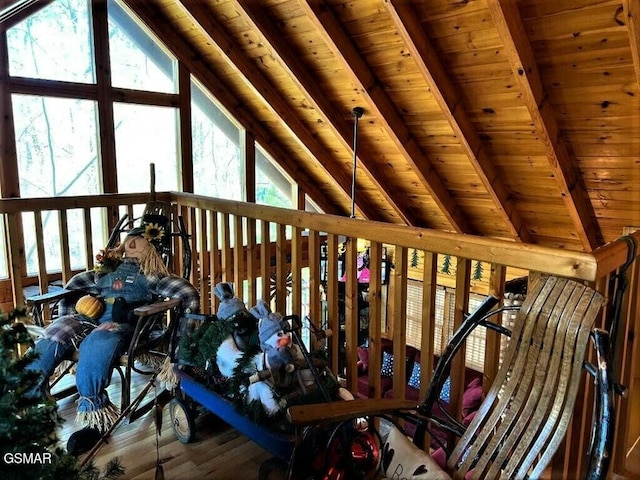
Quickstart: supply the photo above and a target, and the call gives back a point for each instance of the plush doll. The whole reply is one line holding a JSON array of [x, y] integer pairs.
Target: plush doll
[[277, 345], [243, 326], [283, 376]]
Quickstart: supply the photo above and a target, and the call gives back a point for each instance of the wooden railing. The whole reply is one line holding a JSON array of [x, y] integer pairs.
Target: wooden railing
[[276, 253]]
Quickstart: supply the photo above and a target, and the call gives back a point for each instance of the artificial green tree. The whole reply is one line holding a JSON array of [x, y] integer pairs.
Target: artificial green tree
[[28, 441]]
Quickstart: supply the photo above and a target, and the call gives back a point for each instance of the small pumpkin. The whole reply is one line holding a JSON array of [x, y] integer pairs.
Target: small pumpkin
[[90, 306]]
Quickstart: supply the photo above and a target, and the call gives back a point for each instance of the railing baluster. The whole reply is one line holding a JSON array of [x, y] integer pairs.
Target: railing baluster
[[296, 271], [252, 262], [265, 259], [492, 349], [227, 258], [463, 287], [63, 230], [282, 272], [351, 313], [315, 305], [427, 350], [43, 280], [204, 272], [399, 331], [375, 318], [333, 320], [238, 255], [214, 258], [88, 238]]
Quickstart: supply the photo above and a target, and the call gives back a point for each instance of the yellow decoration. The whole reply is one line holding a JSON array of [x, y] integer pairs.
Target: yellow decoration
[[90, 307], [153, 231]]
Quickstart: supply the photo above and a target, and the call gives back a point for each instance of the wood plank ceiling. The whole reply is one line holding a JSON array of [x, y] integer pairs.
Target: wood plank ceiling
[[518, 120]]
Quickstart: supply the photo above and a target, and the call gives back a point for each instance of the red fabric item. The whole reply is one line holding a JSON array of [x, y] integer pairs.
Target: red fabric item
[[472, 397], [469, 418], [440, 458]]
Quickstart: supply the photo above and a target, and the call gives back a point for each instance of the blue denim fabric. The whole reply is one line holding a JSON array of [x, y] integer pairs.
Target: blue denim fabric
[[98, 352], [101, 348], [127, 282]]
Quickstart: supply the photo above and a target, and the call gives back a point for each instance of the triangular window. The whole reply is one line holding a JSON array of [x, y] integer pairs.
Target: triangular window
[[138, 61]]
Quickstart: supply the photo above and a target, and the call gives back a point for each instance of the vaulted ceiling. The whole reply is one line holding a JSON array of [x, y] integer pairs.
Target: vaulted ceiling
[[518, 120]]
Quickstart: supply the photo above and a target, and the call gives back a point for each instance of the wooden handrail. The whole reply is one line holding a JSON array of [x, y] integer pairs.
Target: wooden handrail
[[19, 205], [565, 263]]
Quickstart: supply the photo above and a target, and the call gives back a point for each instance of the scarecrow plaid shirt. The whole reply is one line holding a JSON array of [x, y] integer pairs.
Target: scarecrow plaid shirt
[[74, 327], [165, 287]]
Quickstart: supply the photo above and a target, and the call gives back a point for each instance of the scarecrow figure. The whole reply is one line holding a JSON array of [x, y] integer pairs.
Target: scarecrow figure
[[100, 328]]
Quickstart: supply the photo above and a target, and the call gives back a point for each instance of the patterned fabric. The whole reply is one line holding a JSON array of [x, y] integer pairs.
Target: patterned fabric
[[445, 394], [69, 327], [387, 364], [414, 379], [414, 382], [177, 287]]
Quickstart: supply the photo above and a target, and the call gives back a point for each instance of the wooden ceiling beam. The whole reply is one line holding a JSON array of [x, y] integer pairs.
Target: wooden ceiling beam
[[154, 20], [338, 40], [260, 85], [452, 106], [631, 9], [316, 96], [519, 52]]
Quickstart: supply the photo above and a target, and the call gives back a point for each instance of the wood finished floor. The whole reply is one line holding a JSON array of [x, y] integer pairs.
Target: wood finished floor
[[218, 452]]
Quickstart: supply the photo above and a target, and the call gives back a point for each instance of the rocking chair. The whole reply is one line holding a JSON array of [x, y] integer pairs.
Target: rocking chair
[[526, 411], [156, 321]]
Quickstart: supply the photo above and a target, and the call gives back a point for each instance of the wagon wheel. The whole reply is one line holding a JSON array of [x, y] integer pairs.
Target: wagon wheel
[[182, 420], [272, 469], [272, 284]]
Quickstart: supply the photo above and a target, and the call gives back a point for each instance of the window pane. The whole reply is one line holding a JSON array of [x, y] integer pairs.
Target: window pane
[[137, 60], [273, 187], [56, 143], [51, 241], [476, 343], [53, 44], [217, 163], [145, 135]]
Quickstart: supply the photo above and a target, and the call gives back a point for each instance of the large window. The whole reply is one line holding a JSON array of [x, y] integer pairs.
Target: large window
[[144, 135], [57, 132], [217, 161], [57, 146], [273, 186], [53, 44], [137, 59]]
